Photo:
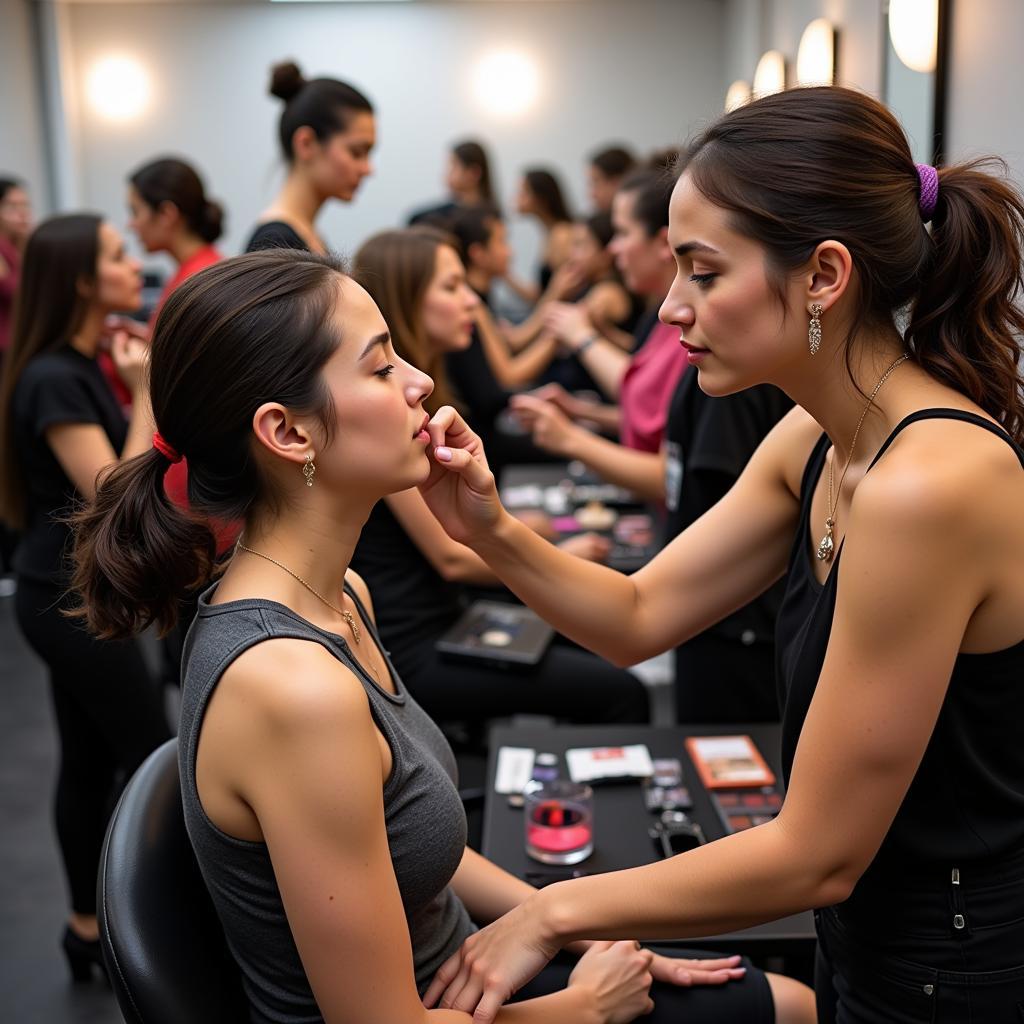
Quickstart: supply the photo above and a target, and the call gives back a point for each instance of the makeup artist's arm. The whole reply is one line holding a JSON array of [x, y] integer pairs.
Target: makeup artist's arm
[[513, 370], [605, 360], [728, 557]]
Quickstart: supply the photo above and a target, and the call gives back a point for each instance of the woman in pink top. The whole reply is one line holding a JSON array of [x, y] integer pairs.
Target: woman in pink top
[[642, 384]]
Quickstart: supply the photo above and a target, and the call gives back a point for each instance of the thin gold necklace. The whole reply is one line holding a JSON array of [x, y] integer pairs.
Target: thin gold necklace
[[826, 547], [346, 615]]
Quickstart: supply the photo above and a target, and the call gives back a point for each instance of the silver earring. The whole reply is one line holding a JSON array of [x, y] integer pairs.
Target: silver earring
[[814, 328], [309, 469]]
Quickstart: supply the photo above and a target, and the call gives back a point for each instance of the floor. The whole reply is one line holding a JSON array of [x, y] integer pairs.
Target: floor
[[35, 987]]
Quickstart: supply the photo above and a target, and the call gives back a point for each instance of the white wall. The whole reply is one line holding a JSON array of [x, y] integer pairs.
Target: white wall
[[986, 73], [758, 25], [646, 72], [22, 141], [986, 84]]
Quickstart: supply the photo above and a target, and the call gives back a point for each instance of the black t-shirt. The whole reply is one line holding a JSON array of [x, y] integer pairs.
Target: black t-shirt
[[412, 602], [474, 382], [708, 443], [56, 388], [275, 234]]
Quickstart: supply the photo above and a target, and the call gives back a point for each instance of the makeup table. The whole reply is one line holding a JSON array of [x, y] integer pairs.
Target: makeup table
[[578, 502], [621, 819]]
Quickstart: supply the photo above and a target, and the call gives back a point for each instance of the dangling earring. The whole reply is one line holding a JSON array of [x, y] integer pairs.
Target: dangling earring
[[309, 469], [814, 328]]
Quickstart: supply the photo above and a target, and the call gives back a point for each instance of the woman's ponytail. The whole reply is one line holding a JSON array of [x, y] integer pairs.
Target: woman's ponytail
[[967, 324], [136, 554]]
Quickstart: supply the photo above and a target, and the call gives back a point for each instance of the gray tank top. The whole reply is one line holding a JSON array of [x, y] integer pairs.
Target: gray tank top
[[426, 824]]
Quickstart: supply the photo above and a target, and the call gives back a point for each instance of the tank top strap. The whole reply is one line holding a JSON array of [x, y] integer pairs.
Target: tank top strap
[[815, 464], [949, 414]]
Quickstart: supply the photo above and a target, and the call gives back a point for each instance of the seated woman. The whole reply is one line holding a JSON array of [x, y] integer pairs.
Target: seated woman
[[319, 799], [420, 575]]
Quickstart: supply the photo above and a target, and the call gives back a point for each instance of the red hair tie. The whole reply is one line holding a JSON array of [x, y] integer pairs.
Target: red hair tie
[[165, 449]]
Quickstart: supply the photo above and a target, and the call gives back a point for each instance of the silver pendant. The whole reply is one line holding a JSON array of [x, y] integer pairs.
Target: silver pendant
[[826, 547]]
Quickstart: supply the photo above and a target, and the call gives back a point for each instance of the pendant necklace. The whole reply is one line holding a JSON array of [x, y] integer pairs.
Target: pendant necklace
[[826, 547]]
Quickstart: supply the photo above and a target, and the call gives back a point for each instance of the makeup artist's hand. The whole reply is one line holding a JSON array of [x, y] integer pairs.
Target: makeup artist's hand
[[591, 546], [131, 358], [460, 489], [552, 430], [569, 322], [492, 964]]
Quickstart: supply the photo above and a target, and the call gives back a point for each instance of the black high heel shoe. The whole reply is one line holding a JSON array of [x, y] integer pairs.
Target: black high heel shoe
[[81, 955]]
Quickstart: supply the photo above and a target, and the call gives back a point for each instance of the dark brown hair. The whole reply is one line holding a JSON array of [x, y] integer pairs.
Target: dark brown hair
[[169, 180], [613, 161], [651, 191], [60, 256], [472, 154], [324, 104], [807, 165], [257, 328], [396, 267], [545, 189]]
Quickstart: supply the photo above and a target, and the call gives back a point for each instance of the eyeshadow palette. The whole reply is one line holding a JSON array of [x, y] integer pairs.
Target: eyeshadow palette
[[741, 809], [497, 632]]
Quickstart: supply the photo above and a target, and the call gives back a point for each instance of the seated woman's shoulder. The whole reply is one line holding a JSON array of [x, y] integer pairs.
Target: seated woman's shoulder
[[290, 684]]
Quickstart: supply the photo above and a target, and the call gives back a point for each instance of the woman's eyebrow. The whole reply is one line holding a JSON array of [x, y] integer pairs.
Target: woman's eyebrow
[[378, 339], [685, 248]]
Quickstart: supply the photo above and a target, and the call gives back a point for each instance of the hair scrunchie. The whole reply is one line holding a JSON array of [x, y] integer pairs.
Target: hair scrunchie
[[165, 449], [928, 190]]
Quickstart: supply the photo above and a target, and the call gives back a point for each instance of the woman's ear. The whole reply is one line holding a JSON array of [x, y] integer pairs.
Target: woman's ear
[[85, 287], [280, 433], [828, 274], [305, 144]]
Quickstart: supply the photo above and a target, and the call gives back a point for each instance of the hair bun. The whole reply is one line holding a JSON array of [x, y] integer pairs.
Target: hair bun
[[286, 80], [212, 224]]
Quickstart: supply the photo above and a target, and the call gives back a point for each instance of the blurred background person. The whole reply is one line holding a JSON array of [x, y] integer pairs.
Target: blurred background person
[[606, 171], [326, 132], [468, 180], [60, 428]]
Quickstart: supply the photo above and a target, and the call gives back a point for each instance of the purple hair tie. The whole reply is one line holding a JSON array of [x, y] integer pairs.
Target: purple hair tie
[[928, 190]]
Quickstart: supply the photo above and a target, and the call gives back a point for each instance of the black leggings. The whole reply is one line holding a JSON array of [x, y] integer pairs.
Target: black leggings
[[746, 1001], [110, 716], [569, 683]]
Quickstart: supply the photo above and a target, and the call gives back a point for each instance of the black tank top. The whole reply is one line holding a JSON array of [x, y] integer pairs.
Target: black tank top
[[966, 802]]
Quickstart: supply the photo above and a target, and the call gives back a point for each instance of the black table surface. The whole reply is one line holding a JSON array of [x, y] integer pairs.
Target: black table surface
[[621, 820]]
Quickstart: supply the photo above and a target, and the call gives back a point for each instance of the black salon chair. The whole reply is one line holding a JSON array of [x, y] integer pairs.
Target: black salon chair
[[165, 952]]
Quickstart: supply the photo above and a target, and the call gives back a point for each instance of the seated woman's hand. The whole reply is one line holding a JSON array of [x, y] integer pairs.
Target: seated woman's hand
[[460, 489], [591, 546], [617, 976], [552, 430], [686, 973]]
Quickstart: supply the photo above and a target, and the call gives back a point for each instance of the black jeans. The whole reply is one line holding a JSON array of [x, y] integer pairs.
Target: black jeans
[[569, 684], [926, 951], [110, 716], [719, 680], [747, 1001]]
